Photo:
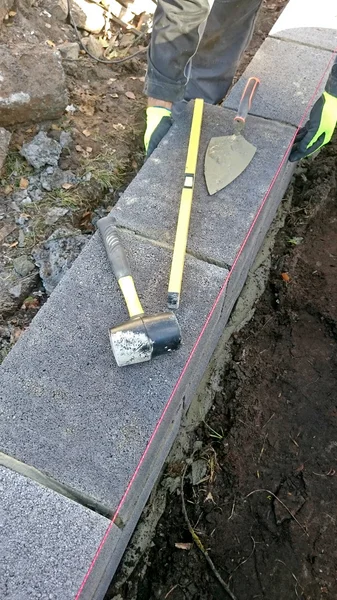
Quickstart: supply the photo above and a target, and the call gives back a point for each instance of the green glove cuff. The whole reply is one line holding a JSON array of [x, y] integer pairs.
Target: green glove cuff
[[328, 120], [154, 114]]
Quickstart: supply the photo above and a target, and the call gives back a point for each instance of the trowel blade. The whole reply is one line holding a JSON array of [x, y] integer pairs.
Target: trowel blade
[[226, 158]]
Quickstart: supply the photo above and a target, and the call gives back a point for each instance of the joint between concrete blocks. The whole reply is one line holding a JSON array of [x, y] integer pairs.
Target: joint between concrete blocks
[[298, 43], [63, 490], [160, 244]]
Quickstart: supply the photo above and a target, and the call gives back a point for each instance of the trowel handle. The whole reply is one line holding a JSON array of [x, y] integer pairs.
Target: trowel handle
[[247, 99], [119, 264]]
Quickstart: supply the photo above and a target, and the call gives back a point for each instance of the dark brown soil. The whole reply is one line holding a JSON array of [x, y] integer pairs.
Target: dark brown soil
[[270, 438]]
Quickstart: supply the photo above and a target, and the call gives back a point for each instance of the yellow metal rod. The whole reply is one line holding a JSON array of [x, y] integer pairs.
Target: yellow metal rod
[[179, 251]]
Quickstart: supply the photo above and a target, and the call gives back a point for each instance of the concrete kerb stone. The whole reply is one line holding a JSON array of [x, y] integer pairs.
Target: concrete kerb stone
[[289, 74], [312, 23], [63, 387], [130, 514], [247, 257], [47, 541], [238, 277], [165, 434], [219, 223], [152, 465], [112, 552]]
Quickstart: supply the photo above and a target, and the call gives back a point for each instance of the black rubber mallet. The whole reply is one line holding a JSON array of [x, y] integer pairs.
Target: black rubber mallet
[[142, 337]]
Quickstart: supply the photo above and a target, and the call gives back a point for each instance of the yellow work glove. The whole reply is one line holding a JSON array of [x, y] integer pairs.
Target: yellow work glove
[[158, 122], [319, 130]]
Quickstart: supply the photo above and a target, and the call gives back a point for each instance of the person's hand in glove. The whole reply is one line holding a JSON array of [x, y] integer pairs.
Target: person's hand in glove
[[158, 122], [319, 130]]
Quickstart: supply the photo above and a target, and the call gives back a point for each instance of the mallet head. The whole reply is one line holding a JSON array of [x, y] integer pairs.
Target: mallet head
[[144, 337]]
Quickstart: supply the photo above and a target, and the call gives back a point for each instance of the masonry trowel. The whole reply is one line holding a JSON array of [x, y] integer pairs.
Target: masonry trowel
[[228, 156]]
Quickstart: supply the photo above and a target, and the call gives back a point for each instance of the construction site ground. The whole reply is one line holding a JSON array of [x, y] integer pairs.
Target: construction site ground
[[265, 508]]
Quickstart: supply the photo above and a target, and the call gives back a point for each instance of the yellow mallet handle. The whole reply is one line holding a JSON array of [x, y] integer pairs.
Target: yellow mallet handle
[[179, 251]]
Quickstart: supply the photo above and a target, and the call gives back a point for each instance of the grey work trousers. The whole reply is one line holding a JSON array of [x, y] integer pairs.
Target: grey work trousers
[[196, 46]]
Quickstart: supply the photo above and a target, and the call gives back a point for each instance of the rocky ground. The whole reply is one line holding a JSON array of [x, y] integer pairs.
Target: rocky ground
[[73, 136], [72, 149]]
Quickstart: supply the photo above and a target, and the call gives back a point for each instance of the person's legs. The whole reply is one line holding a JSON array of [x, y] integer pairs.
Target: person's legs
[[177, 29], [228, 31]]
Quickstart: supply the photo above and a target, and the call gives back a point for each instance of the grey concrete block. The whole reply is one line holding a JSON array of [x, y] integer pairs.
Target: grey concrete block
[[312, 23], [112, 552], [200, 359], [47, 541], [219, 223], [250, 249], [150, 471], [167, 429], [165, 434], [290, 74], [67, 409]]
